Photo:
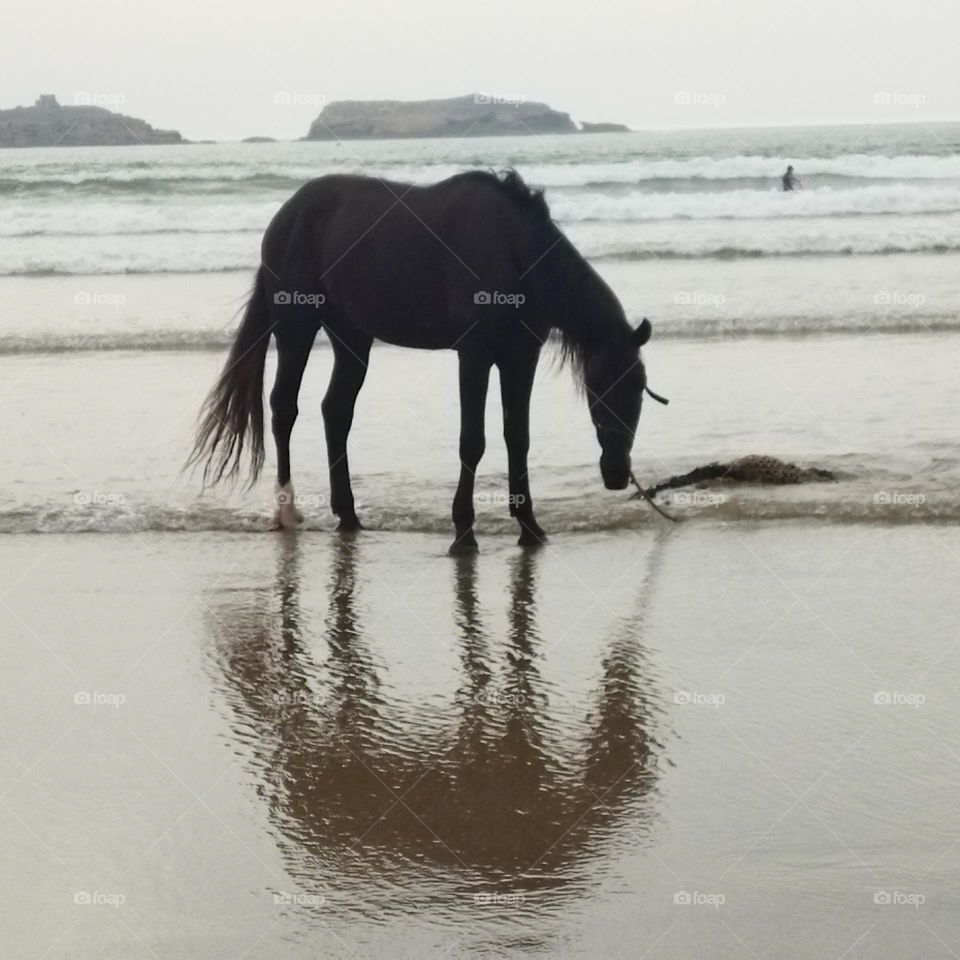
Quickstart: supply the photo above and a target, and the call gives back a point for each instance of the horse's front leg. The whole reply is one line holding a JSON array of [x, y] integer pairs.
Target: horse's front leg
[[349, 369], [294, 340], [474, 378], [516, 384]]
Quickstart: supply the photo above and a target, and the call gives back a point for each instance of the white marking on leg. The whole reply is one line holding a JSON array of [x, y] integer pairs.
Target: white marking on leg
[[287, 516]]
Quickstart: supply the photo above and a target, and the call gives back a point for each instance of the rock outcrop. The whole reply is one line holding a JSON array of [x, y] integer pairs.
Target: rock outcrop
[[475, 115], [603, 127], [49, 124]]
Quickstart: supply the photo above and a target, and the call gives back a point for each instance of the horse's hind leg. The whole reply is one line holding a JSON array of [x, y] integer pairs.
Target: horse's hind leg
[[293, 349], [474, 378], [350, 357], [516, 384]]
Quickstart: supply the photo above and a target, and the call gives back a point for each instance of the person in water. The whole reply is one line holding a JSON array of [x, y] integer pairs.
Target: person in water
[[789, 179]]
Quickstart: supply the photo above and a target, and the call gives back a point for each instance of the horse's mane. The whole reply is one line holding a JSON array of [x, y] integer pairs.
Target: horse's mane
[[575, 270], [526, 198], [565, 260], [514, 188]]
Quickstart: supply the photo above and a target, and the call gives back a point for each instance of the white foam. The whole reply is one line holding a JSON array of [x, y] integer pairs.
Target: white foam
[[182, 219], [868, 166], [281, 172], [901, 198], [906, 500]]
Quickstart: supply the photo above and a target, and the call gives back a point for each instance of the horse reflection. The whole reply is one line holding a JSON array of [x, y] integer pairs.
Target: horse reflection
[[497, 788]]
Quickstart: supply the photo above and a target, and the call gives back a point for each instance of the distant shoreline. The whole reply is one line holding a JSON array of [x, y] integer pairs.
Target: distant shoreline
[[48, 123]]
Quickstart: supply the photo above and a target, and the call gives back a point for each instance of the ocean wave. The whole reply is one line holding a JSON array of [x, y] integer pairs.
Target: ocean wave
[[93, 219], [202, 182], [111, 230], [145, 341], [206, 178], [119, 255], [805, 326], [97, 266], [859, 166], [129, 253], [120, 219], [829, 504], [830, 247], [698, 328], [625, 252], [888, 199]]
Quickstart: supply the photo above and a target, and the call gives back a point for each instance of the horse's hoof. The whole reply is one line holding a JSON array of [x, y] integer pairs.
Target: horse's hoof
[[287, 517], [532, 539], [464, 546], [532, 543], [349, 525]]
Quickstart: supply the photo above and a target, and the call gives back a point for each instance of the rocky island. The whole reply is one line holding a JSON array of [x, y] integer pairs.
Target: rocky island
[[49, 124], [474, 115]]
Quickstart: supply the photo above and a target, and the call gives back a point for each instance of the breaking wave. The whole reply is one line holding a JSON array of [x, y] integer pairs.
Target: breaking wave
[[825, 503], [698, 328]]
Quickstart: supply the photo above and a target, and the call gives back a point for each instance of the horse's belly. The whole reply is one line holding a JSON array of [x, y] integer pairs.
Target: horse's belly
[[406, 323], [421, 334]]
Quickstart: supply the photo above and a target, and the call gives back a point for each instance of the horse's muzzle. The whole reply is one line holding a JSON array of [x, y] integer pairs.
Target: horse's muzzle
[[616, 476]]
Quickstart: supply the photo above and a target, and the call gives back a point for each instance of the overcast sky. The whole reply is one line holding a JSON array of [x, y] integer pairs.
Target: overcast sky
[[225, 69]]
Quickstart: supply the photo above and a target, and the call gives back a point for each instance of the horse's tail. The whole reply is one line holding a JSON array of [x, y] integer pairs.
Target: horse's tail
[[232, 415]]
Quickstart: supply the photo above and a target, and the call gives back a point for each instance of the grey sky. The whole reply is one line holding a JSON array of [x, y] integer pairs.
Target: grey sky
[[212, 68]]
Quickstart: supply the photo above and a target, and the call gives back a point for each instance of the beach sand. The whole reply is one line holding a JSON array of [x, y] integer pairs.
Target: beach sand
[[714, 740]]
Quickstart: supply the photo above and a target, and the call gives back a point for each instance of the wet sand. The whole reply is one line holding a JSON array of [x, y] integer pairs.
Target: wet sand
[[97, 440], [726, 741]]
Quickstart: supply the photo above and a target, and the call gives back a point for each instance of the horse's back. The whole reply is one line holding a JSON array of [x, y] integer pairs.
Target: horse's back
[[423, 266]]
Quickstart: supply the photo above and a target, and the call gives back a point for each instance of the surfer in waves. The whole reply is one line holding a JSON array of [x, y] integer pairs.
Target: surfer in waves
[[790, 182]]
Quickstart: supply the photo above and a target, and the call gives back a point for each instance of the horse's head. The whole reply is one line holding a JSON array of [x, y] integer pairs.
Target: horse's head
[[615, 379]]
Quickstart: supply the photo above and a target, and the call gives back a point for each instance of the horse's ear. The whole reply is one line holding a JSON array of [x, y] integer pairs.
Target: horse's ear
[[642, 334]]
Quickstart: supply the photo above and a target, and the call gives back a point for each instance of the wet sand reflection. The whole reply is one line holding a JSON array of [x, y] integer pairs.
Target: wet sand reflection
[[482, 795]]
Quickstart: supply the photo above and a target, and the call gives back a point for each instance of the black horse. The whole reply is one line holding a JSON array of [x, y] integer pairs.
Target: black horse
[[473, 264]]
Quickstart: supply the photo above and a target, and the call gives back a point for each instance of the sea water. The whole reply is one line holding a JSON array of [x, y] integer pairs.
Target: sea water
[[819, 326]]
